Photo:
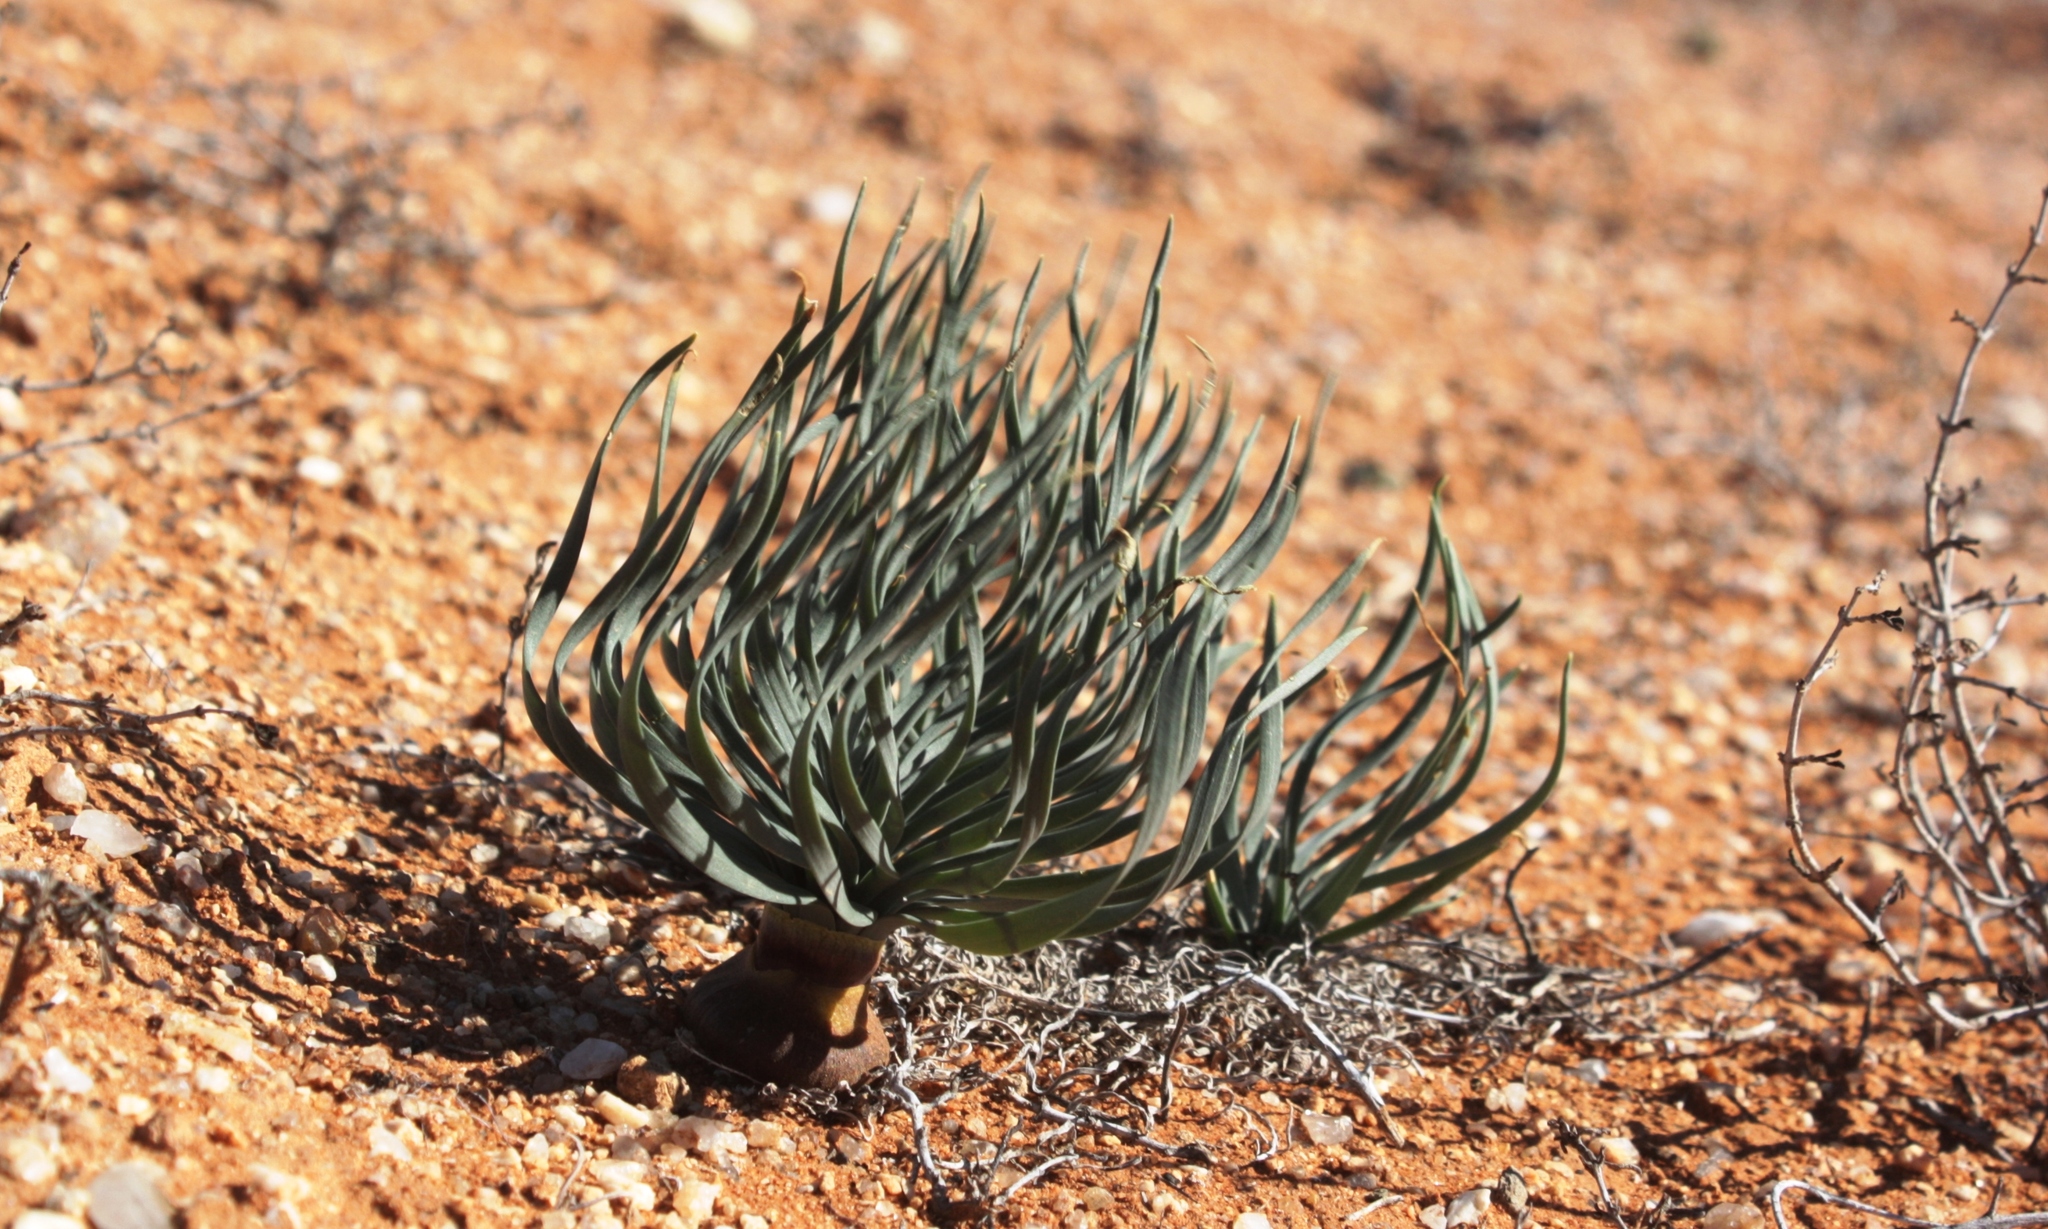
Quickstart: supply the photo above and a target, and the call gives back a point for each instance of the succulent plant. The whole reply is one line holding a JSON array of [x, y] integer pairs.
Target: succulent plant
[[947, 620], [1292, 875]]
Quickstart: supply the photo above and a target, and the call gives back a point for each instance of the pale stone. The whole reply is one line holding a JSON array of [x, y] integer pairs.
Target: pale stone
[[620, 1112], [320, 968], [108, 834], [594, 1059], [320, 471], [1619, 1150], [1468, 1208], [17, 678], [709, 1136], [232, 1041], [616, 1175], [1327, 1129], [695, 1200], [394, 1139], [1732, 1216], [65, 1075], [831, 204], [592, 930], [126, 1197], [880, 43], [27, 1161], [80, 524], [1251, 1220], [1510, 1098], [37, 1218], [1713, 928], [725, 26], [64, 786]]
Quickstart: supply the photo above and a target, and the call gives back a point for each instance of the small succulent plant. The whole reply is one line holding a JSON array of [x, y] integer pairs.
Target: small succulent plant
[[947, 619], [1324, 844]]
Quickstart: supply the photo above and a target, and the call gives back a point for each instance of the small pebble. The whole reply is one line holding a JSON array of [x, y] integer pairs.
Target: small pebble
[[650, 1083], [620, 1112], [832, 204], [724, 26], [189, 873], [64, 786], [1512, 1098], [881, 44], [214, 1080], [26, 1160], [1251, 1220], [37, 1218], [1469, 1207], [1732, 1216], [320, 471], [1167, 1203], [626, 1146], [849, 1147], [1591, 1071], [614, 1174], [592, 930], [65, 1075], [1327, 1129], [126, 1197], [1713, 928], [173, 921], [695, 1200], [1432, 1217], [1513, 1192], [17, 678], [711, 1137], [394, 1139], [320, 932], [594, 1059], [485, 854], [107, 834], [320, 968], [1619, 1150]]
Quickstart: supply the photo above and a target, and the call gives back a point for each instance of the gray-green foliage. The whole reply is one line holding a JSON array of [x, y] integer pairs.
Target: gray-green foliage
[[1323, 845], [957, 619]]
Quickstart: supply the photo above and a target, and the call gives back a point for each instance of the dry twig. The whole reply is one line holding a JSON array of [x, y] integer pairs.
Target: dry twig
[[149, 432], [1940, 765], [2022, 1220]]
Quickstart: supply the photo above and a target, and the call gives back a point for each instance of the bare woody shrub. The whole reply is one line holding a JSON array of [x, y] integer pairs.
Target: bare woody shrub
[[1967, 761]]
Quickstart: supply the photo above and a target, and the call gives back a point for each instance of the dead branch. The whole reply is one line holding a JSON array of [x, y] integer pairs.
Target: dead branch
[[2022, 1220], [13, 271], [111, 721], [1940, 757], [149, 432]]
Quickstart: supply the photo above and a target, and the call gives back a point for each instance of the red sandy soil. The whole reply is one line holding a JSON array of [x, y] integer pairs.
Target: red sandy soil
[[1662, 289]]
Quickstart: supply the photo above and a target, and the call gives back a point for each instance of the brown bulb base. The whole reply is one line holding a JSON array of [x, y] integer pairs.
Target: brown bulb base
[[793, 1007]]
